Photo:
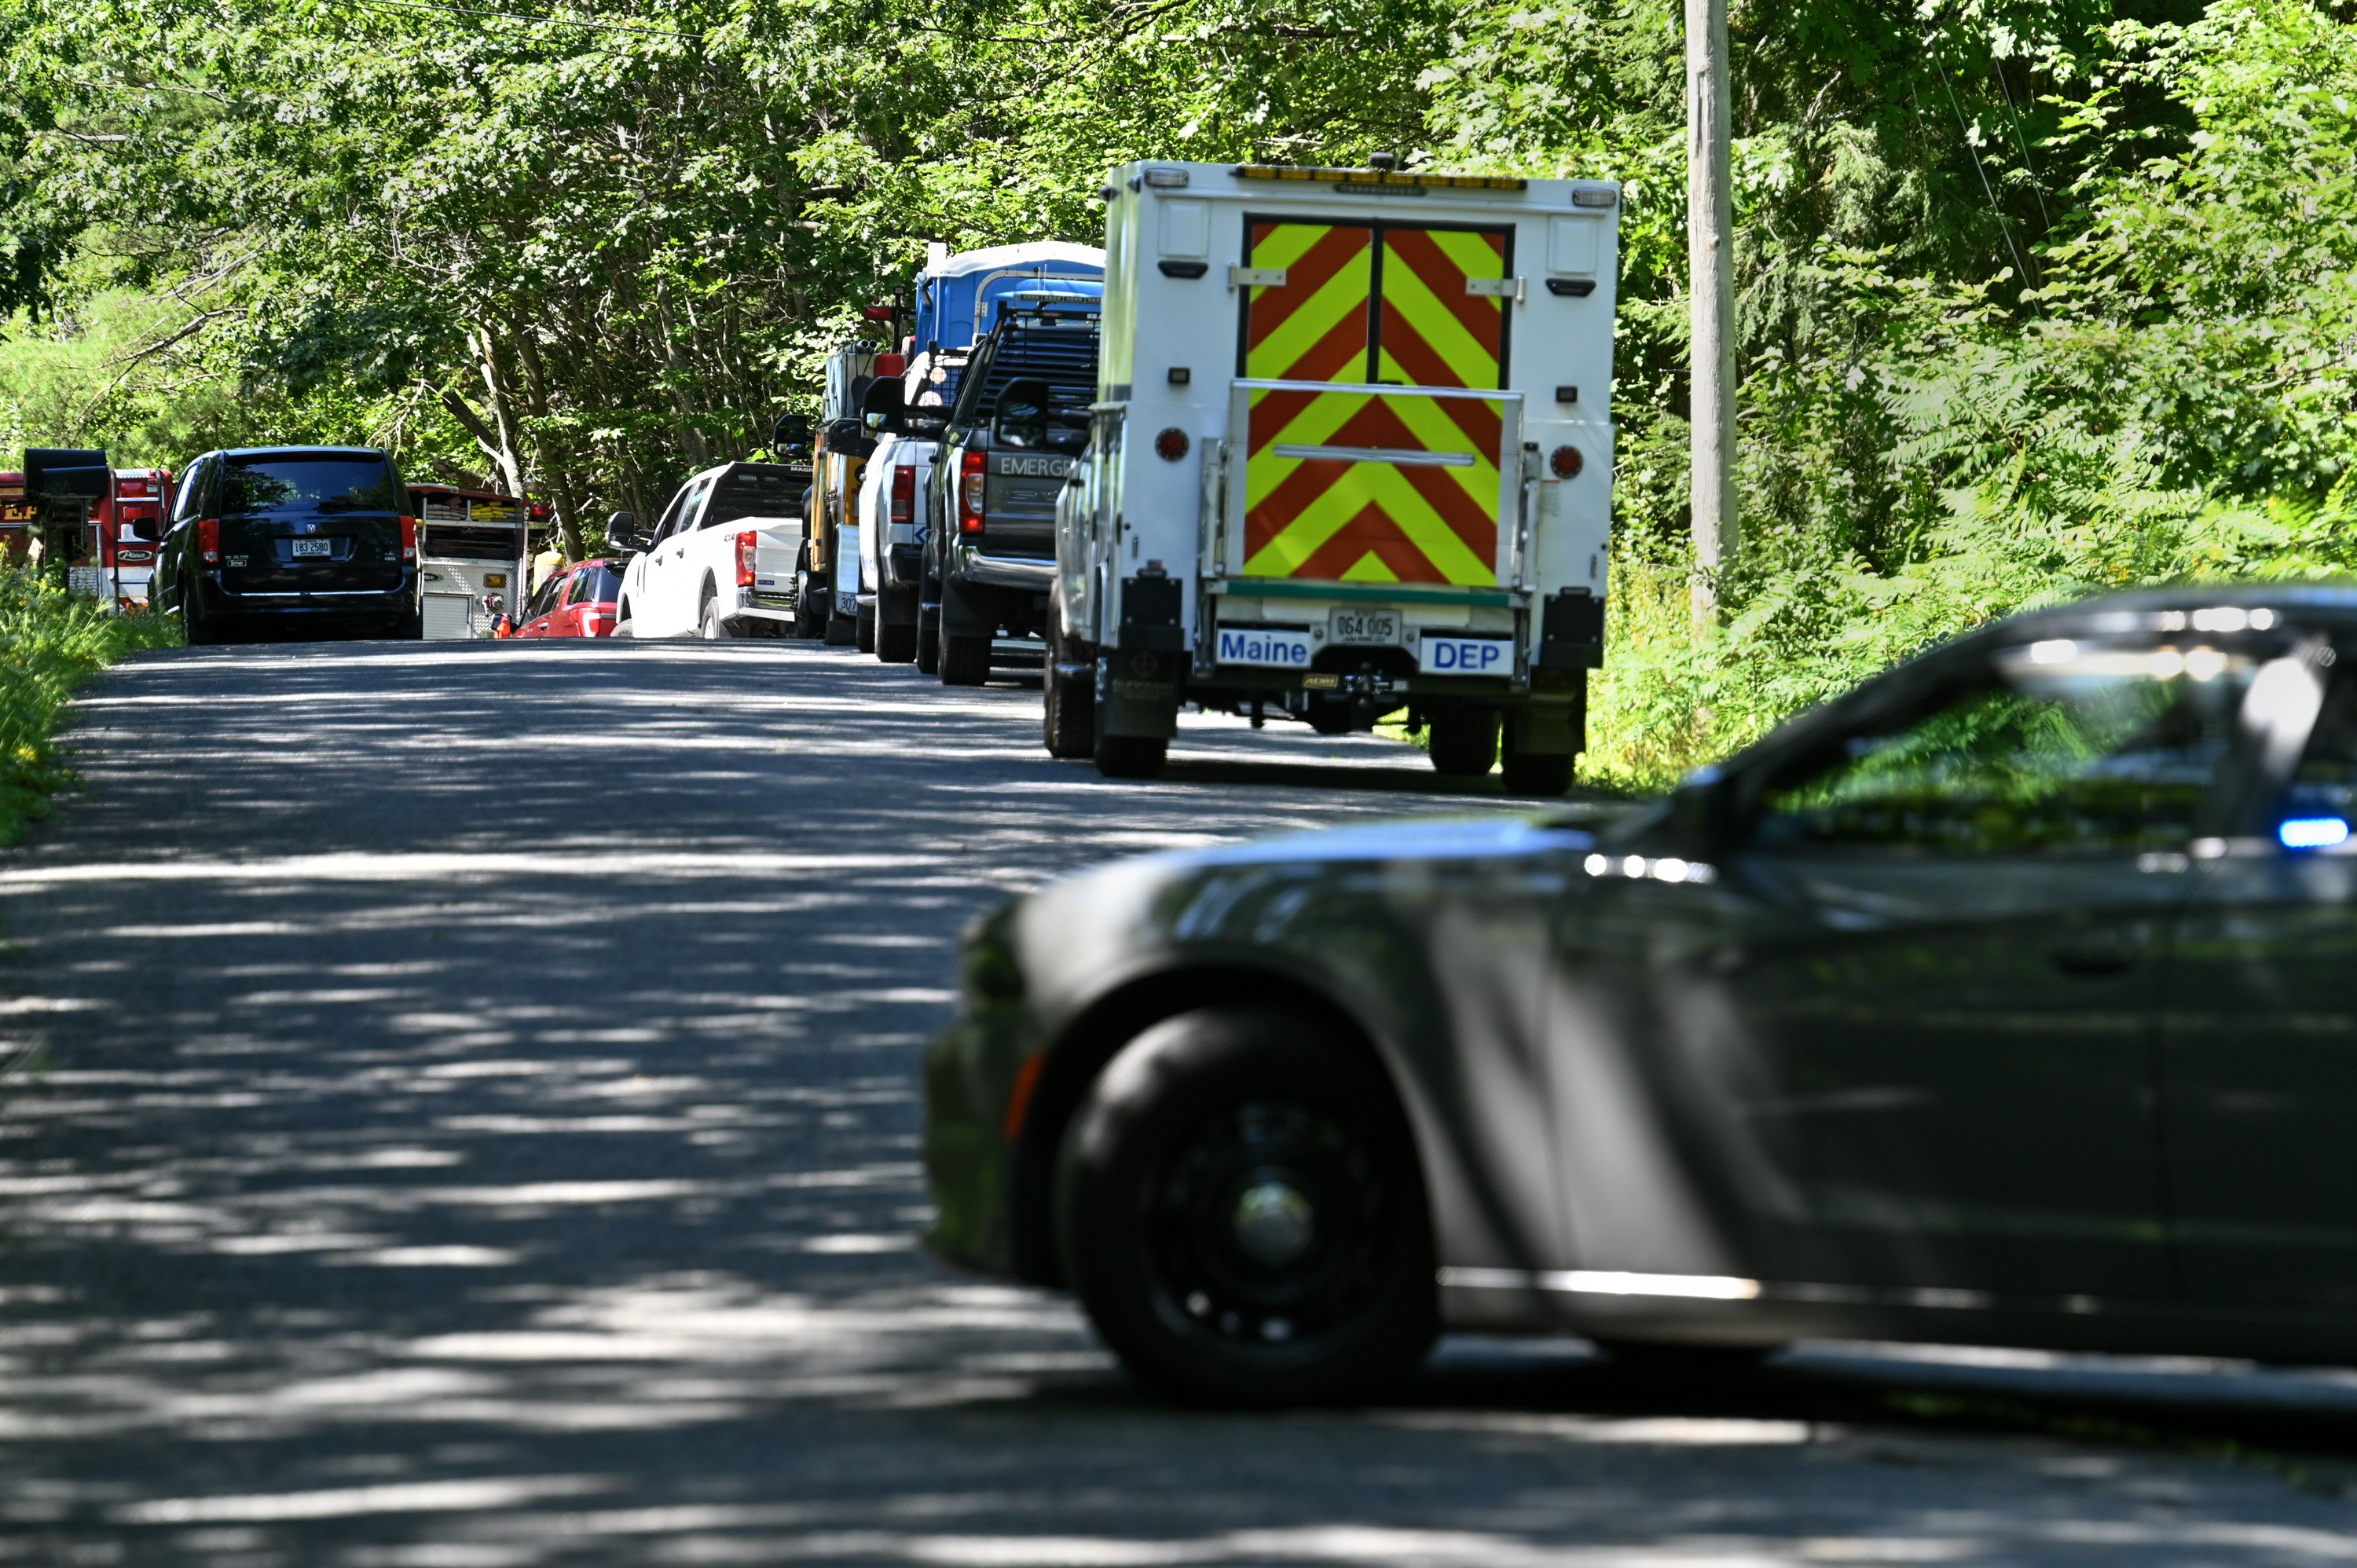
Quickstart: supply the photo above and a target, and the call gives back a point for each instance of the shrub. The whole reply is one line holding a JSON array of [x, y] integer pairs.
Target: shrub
[[50, 642]]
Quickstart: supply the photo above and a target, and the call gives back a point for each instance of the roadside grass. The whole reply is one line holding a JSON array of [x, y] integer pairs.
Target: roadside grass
[[50, 642]]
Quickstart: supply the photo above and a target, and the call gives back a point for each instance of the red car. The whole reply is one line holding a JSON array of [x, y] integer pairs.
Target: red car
[[576, 601]]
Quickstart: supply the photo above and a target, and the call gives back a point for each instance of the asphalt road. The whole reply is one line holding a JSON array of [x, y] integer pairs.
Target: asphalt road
[[465, 1118]]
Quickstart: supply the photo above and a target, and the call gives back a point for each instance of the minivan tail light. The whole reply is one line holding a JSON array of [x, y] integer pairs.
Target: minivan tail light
[[748, 544], [409, 539], [904, 494], [209, 540], [970, 483]]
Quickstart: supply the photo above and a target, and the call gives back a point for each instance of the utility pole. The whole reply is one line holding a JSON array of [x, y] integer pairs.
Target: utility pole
[[1710, 238]]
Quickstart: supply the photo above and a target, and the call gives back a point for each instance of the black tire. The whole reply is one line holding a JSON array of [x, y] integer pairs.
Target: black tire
[[928, 642], [1239, 1207], [895, 644], [1533, 773], [1464, 742], [1069, 721], [810, 604], [709, 624], [1130, 756], [964, 661], [196, 627], [865, 636]]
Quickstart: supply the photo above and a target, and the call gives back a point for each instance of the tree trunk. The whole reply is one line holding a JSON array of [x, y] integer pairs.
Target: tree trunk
[[555, 466], [675, 377], [506, 451]]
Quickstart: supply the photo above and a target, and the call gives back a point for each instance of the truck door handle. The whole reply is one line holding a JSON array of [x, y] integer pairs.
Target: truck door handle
[[2091, 959]]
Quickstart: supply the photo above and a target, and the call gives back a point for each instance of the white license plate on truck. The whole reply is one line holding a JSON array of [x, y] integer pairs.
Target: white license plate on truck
[[1364, 627], [304, 547], [1465, 655]]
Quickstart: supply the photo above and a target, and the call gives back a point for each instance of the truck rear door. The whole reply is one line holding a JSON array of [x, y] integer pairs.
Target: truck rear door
[[1376, 443]]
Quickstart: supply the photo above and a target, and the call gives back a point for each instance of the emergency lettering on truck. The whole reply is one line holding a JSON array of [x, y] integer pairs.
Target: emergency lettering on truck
[[1350, 456]]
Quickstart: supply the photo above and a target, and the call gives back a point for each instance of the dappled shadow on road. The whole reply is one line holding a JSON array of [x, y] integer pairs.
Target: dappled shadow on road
[[478, 1128]]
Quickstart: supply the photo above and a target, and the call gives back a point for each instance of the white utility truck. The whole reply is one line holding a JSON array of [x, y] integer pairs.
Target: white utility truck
[[1351, 454]]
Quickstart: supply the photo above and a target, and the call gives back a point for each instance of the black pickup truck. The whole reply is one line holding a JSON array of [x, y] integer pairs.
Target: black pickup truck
[[1018, 424]]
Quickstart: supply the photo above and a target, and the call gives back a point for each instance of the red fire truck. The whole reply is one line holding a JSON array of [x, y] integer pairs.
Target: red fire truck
[[117, 558], [119, 554], [15, 519]]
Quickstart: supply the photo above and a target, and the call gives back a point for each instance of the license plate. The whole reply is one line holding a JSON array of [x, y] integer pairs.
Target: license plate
[[314, 547], [1364, 627]]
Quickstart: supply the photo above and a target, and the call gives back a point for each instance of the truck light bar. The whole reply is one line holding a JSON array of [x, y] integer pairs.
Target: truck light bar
[[1381, 176]]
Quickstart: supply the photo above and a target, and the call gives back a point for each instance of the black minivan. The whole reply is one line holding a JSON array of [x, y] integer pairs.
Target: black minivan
[[308, 539]]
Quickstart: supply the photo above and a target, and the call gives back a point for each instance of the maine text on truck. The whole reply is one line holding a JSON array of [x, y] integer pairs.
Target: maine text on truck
[[1352, 456]]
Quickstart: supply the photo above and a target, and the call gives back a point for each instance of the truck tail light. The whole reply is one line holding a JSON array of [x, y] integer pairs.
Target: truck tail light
[[904, 494], [409, 539], [209, 540], [747, 542], [970, 483]]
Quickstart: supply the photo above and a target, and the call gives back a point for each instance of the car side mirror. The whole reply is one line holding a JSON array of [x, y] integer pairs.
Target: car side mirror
[[622, 532], [146, 530], [884, 403], [792, 430], [1021, 418]]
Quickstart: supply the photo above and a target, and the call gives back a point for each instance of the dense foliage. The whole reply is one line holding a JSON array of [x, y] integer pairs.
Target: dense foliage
[[2034, 294], [50, 642]]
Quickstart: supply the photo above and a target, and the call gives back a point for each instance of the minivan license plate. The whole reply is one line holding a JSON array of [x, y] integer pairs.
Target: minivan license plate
[[1380, 627], [315, 547]]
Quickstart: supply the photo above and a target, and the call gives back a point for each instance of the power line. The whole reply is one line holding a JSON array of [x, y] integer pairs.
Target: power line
[[2020, 269]]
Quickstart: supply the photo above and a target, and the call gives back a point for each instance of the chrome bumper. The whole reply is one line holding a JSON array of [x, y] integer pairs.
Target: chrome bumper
[[1005, 571]]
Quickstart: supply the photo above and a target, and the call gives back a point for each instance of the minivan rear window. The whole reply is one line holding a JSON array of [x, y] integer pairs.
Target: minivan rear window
[[295, 481]]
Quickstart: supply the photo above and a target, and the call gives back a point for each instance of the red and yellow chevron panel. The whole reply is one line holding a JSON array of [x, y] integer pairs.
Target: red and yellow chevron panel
[[1370, 485], [1314, 327], [1432, 332]]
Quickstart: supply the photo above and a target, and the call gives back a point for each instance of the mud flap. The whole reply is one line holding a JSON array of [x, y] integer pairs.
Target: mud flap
[[968, 612], [1137, 695]]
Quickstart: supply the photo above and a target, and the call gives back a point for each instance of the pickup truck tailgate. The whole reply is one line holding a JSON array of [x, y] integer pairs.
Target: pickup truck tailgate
[[776, 553]]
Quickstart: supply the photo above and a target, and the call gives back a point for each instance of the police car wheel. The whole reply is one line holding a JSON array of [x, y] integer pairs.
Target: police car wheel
[[1239, 1207]]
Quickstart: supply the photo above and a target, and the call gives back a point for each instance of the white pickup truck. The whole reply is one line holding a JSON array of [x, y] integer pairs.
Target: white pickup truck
[[720, 562]]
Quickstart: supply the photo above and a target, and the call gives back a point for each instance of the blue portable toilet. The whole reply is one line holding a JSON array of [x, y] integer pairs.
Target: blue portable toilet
[[959, 298]]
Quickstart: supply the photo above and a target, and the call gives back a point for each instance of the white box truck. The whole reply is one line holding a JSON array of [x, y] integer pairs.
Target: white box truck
[[1351, 454]]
